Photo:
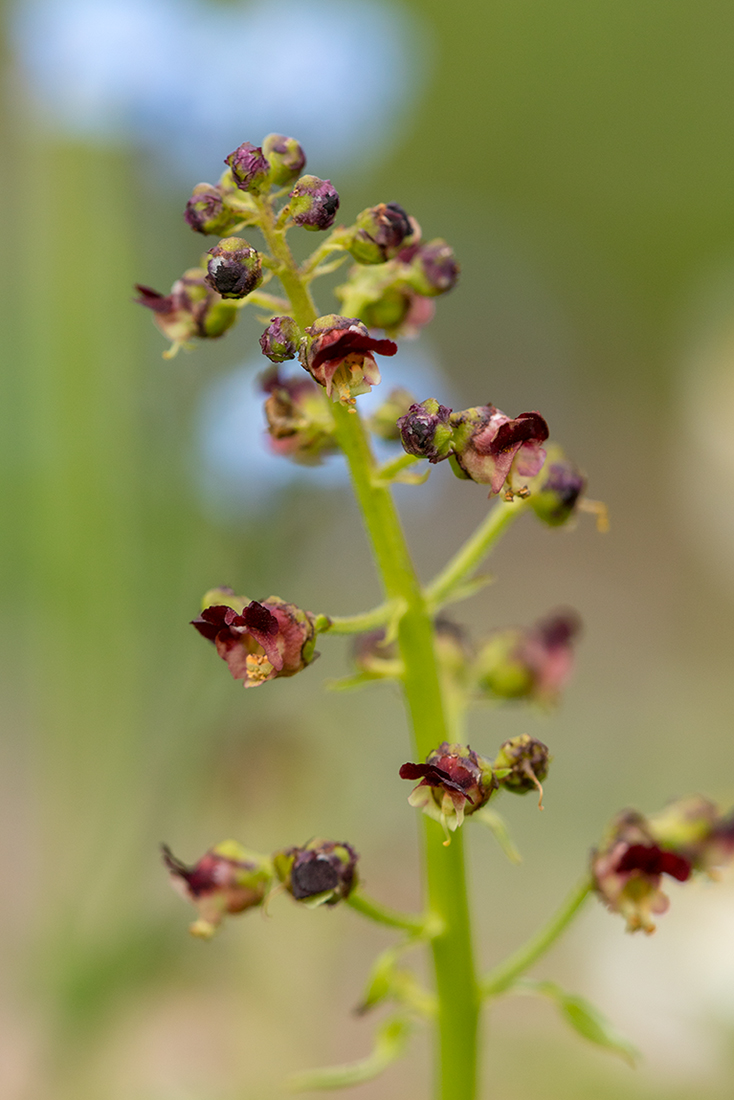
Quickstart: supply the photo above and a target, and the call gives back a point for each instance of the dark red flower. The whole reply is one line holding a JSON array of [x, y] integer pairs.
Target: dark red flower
[[191, 310], [338, 354], [493, 448], [454, 782], [227, 879]]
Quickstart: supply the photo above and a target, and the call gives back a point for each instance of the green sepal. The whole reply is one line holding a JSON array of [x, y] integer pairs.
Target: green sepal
[[389, 1045], [582, 1016]]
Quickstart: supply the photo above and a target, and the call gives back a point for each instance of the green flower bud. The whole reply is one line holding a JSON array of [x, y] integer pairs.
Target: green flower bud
[[285, 157], [206, 211], [522, 764]]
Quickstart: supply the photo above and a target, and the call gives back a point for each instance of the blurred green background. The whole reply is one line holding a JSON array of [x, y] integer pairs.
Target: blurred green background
[[580, 158]]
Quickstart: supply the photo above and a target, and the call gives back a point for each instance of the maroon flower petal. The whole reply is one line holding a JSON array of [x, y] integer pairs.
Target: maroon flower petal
[[432, 776], [526, 428], [651, 860], [350, 343], [153, 299], [255, 617]]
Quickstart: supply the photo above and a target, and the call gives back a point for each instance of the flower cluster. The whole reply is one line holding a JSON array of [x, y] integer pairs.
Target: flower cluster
[[628, 867]]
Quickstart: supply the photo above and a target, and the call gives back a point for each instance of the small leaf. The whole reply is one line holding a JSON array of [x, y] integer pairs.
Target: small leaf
[[389, 1045], [380, 981], [582, 1016]]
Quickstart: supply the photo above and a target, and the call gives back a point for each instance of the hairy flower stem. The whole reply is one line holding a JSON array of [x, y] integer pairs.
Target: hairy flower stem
[[456, 982]]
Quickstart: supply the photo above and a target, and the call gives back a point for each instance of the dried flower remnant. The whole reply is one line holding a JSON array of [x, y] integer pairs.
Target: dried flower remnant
[[454, 782], [529, 663], [494, 449], [323, 872], [259, 641], [338, 354], [627, 871], [300, 424], [313, 203], [227, 879], [522, 764], [192, 310], [235, 269]]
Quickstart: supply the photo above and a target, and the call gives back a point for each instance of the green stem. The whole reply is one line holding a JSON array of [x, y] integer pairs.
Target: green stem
[[466, 560], [357, 624], [390, 470], [499, 979], [383, 914], [456, 982]]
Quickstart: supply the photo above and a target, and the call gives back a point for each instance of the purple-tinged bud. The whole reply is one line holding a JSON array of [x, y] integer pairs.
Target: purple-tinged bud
[[522, 764], [235, 269], [250, 169], [281, 339], [259, 641], [206, 211], [426, 431], [190, 310], [378, 233], [399, 310], [433, 268], [529, 662], [313, 203], [493, 449], [338, 354], [627, 870], [323, 872], [285, 157], [300, 425], [228, 879], [556, 493], [454, 782], [384, 422]]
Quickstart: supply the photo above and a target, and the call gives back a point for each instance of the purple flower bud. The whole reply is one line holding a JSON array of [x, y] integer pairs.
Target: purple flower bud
[[250, 169], [556, 495], [190, 310], [323, 872], [281, 339], [378, 233], [337, 353], [529, 662], [493, 449], [434, 269], [628, 867], [384, 422], [299, 422], [522, 764], [259, 641], [285, 157], [454, 782], [426, 432], [228, 879], [313, 203], [206, 211], [235, 269]]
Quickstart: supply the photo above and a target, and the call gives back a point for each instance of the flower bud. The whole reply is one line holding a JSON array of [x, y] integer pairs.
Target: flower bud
[[556, 493], [250, 169], [235, 269], [285, 157], [493, 449], [190, 310], [399, 310], [628, 867], [433, 268], [281, 339], [228, 879], [313, 203], [206, 211], [521, 764], [321, 873], [426, 431], [299, 422], [378, 233], [529, 663], [337, 353], [454, 782], [259, 641], [384, 422]]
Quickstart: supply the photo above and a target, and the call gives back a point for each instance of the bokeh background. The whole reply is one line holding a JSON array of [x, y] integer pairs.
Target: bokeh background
[[580, 158]]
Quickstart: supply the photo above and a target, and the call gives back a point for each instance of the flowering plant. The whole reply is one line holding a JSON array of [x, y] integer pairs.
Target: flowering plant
[[391, 287]]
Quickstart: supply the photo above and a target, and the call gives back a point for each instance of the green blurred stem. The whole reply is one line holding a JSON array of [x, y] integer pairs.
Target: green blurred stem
[[390, 470], [357, 624], [499, 979], [456, 982], [422, 927], [466, 560]]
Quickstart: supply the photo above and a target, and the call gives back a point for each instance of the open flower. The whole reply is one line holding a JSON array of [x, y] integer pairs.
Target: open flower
[[323, 872], [627, 871], [227, 879], [338, 354], [529, 662], [259, 641], [454, 782], [191, 310], [494, 449]]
